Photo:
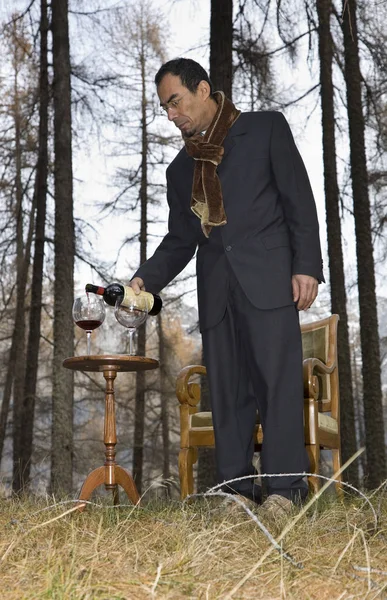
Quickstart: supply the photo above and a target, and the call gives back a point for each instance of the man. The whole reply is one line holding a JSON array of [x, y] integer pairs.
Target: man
[[239, 192]]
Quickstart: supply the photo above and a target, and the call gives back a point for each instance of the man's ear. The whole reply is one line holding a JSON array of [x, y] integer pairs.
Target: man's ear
[[204, 89]]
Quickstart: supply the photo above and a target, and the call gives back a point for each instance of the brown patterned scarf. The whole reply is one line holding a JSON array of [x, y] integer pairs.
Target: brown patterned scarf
[[207, 151]]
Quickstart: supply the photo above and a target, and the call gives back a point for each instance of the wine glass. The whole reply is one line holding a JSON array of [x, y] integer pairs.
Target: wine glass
[[88, 313], [131, 317]]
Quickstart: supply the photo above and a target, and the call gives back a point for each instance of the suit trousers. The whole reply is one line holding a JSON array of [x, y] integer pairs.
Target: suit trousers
[[254, 362]]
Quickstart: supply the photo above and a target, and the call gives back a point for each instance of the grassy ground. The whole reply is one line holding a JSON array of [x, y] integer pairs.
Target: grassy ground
[[202, 550]]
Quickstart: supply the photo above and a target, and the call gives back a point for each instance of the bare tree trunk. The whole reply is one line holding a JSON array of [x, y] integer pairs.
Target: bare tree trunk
[[23, 261], [20, 292], [359, 410], [139, 407], [22, 264], [7, 392], [15, 368], [221, 36], [63, 392], [164, 416], [139, 415], [37, 275], [372, 392], [335, 251]]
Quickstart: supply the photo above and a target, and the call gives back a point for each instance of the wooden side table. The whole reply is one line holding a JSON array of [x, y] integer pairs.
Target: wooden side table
[[111, 474]]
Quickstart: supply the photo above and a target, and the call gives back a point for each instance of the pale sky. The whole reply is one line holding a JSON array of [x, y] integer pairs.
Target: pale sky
[[189, 22], [189, 35]]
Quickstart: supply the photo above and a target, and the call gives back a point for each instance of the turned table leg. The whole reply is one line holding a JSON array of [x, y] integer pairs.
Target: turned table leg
[[92, 481], [111, 474], [110, 437]]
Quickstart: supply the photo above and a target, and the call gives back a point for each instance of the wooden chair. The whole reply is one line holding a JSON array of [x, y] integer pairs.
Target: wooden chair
[[321, 406]]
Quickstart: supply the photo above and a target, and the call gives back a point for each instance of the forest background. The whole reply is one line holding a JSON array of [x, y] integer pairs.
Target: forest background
[[84, 150]]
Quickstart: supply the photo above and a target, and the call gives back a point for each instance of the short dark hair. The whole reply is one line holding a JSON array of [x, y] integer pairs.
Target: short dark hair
[[189, 71]]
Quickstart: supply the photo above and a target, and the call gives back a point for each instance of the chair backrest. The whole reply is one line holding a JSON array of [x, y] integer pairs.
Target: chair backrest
[[319, 341]]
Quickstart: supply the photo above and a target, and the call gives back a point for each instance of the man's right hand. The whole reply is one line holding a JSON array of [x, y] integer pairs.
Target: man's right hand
[[137, 285]]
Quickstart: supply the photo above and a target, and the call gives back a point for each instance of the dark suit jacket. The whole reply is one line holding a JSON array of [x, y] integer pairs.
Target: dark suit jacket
[[272, 230]]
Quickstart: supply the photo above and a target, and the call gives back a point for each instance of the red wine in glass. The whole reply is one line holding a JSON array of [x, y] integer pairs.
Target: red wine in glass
[[88, 324], [88, 314]]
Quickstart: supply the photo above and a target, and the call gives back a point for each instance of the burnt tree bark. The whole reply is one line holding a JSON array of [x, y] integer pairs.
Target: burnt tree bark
[[335, 251], [372, 392], [37, 272], [63, 379], [23, 250], [221, 69], [164, 413], [139, 407], [221, 37]]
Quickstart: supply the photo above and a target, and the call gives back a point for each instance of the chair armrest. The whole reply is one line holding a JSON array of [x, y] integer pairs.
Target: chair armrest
[[310, 367], [186, 392]]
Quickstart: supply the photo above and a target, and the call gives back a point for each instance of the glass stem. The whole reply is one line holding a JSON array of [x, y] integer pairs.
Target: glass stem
[[88, 335], [131, 342]]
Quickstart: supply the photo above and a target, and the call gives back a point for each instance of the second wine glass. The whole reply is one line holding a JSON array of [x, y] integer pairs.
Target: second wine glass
[[131, 317]]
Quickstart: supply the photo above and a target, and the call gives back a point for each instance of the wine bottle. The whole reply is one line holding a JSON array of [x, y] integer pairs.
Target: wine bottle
[[113, 291]]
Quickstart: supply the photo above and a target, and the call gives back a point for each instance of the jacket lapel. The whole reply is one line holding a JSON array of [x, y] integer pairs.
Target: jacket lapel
[[232, 139]]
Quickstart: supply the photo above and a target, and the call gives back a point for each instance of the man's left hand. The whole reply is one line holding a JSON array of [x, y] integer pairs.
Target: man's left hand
[[305, 289]]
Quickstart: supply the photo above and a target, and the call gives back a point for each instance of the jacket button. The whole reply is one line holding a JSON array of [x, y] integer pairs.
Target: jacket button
[[228, 248]]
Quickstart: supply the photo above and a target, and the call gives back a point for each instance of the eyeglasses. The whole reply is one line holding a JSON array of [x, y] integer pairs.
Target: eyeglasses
[[172, 104]]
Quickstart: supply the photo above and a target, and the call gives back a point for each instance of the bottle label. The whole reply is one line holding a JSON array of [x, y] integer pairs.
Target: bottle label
[[144, 300]]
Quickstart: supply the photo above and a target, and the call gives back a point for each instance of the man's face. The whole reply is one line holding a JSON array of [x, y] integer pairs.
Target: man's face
[[188, 111]]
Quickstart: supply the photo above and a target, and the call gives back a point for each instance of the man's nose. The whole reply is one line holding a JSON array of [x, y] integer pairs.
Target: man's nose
[[171, 113]]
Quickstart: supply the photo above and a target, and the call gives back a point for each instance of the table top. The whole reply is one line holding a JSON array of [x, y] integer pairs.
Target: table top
[[116, 362]]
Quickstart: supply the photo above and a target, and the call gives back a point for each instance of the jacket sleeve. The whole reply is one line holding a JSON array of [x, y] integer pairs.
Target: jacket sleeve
[[297, 200], [174, 252]]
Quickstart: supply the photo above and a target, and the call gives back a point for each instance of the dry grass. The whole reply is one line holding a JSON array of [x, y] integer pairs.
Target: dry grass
[[200, 550]]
